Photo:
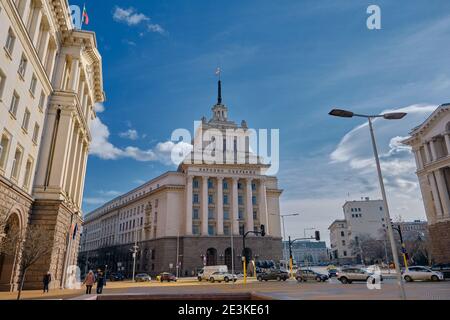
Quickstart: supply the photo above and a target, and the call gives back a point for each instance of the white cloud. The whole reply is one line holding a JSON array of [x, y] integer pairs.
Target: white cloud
[[131, 134], [104, 149], [99, 107], [129, 16], [132, 17]]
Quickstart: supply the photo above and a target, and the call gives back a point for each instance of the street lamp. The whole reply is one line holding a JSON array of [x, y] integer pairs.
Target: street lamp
[[387, 116]]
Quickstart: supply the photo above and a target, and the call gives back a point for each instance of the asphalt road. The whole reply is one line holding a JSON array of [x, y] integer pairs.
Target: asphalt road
[[291, 290]]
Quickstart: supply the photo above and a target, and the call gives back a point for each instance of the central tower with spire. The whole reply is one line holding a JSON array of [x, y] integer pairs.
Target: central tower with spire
[[220, 111]]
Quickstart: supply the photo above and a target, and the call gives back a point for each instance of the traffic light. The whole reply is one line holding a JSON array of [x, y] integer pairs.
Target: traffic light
[[263, 230], [317, 235]]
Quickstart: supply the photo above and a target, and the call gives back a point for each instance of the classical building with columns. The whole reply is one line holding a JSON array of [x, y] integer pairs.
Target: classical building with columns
[[430, 143], [193, 216], [50, 79]]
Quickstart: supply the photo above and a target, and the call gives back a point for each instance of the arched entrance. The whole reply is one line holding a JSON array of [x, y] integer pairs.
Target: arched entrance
[[7, 258], [228, 258], [211, 257]]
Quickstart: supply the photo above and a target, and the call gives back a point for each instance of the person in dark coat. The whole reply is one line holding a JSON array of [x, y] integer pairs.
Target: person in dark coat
[[100, 282], [46, 281]]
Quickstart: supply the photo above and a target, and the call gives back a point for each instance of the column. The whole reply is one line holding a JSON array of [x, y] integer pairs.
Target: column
[[58, 80], [435, 193], [264, 216], [77, 168], [235, 208], [219, 206], [427, 152], [443, 193], [83, 176], [447, 143], [36, 25], [74, 75], [25, 11], [204, 206], [189, 181], [249, 206], [50, 64], [419, 158], [71, 162], [43, 45], [433, 150]]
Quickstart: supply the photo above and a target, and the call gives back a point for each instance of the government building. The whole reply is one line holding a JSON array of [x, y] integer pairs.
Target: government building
[[195, 216], [50, 79], [430, 142]]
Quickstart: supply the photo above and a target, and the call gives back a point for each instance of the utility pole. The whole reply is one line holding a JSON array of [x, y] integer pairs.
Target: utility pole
[[135, 248], [178, 253]]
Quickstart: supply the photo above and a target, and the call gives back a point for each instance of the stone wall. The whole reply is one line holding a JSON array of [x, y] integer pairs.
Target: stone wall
[[440, 241]]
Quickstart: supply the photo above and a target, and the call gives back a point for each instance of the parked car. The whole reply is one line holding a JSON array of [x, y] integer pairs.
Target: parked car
[[220, 276], [332, 273], [166, 276], [116, 277], [273, 275], [207, 271], [304, 275], [142, 277], [443, 268], [421, 273], [349, 275]]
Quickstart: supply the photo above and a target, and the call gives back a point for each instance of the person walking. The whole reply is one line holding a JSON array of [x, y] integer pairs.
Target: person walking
[[100, 282], [89, 281], [46, 280]]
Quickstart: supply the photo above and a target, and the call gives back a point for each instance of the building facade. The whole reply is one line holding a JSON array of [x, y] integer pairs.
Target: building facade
[[50, 79], [430, 143], [363, 218], [309, 252], [194, 216]]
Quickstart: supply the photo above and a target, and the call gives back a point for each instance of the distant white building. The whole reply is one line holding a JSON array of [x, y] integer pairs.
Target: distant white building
[[363, 218]]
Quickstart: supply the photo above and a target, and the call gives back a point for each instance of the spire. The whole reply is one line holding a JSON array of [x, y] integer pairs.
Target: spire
[[219, 93]]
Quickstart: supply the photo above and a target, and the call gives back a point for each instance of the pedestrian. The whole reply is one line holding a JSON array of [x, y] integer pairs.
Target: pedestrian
[[46, 280], [100, 282], [89, 281]]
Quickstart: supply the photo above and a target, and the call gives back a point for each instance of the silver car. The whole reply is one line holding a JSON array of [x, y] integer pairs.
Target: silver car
[[222, 276], [421, 273], [142, 277], [349, 275]]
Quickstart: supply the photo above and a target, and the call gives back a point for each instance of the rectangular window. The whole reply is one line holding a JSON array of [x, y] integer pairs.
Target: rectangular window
[[241, 215], [4, 148], [28, 168], [10, 40], [210, 184], [226, 215], [211, 214], [254, 200], [195, 215], [225, 199], [23, 66], [342, 234], [255, 215], [33, 85], [196, 184], [210, 199], [2, 83], [240, 200], [226, 230], [26, 120], [195, 199], [16, 164], [195, 229], [211, 230], [240, 186], [225, 185], [14, 104], [253, 186], [241, 229]]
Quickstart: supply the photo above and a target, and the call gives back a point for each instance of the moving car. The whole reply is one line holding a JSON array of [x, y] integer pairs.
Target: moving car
[[349, 275], [421, 273], [142, 277], [332, 273], [116, 277], [206, 272], [304, 275], [273, 275], [222, 276], [166, 276], [443, 268]]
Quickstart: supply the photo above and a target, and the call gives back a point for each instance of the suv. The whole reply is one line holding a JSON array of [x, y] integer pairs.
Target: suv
[[304, 275], [443, 268], [421, 273], [222, 276], [348, 275], [116, 277], [273, 275]]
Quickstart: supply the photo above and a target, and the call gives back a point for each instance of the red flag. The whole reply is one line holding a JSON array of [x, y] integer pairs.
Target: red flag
[[85, 16]]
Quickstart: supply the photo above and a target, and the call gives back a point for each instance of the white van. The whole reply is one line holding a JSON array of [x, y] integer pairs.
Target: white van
[[206, 272]]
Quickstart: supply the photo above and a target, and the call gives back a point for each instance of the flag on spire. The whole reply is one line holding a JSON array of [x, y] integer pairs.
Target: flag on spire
[[218, 71], [85, 16]]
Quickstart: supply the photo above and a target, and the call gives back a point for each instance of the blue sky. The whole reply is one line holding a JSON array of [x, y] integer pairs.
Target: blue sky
[[284, 65]]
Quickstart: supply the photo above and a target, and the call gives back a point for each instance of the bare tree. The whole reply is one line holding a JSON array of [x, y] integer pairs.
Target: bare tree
[[32, 245], [369, 249]]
